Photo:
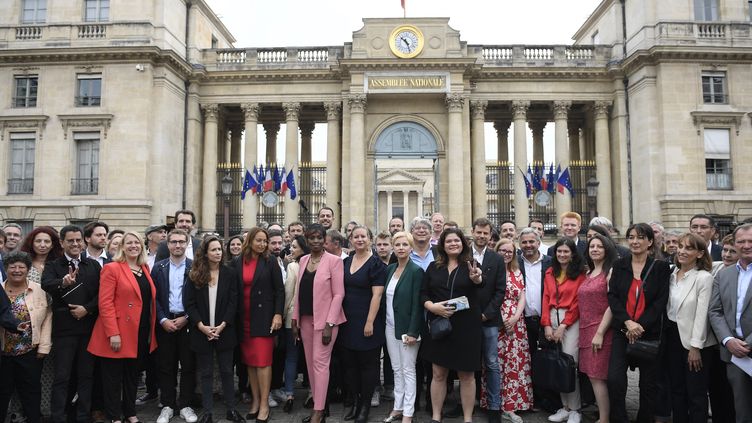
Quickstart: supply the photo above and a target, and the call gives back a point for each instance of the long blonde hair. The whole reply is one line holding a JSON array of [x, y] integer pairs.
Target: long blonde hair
[[513, 265], [120, 253]]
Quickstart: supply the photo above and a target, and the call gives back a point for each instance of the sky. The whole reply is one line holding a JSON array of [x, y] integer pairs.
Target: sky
[[302, 23]]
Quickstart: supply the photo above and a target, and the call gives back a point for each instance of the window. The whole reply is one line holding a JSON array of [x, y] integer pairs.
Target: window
[[749, 9], [214, 42], [21, 178], [706, 10], [26, 91], [717, 159], [97, 10], [714, 88], [595, 38], [89, 89], [34, 11], [26, 225], [87, 163]]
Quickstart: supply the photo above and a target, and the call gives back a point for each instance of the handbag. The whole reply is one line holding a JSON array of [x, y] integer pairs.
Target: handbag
[[441, 327], [643, 349], [553, 368]]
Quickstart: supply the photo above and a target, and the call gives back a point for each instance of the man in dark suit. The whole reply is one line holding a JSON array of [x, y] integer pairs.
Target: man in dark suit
[[169, 276], [732, 293], [185, 220], [490, 296], [73, 283], [704, 225], [95, 238], [570, 226]]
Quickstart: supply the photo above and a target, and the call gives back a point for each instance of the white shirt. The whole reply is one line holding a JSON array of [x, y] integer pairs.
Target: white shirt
[[543, 249], [533, 285], [100, 258], [283, 269], [212, 303], [189, 248], [478, 255], [150, 258], [391, 286]]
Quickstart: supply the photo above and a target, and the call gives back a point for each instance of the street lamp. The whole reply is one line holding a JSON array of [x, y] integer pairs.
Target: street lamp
[[592, 194], [226, 187]]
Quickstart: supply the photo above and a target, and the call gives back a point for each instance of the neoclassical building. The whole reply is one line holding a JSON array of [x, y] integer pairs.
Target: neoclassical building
[[127, 111]]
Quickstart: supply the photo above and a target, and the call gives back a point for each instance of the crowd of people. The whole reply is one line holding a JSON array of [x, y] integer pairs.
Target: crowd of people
[[86, 310]]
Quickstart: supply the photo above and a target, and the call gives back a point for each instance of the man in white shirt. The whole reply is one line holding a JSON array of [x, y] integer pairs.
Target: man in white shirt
[[422, 253], [13, 237], [334, 242], [437, 225], [154, 235], [537, 224], [95, 236]]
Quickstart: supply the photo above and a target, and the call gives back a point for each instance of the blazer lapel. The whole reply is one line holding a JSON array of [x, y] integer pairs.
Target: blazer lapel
[[687, 286], [132, 279]]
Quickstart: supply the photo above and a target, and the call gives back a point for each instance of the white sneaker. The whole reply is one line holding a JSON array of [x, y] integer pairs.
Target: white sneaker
[[375, 401], [562, 415], [279, 395], [188, 415], [165, 415], [574, 417], [272, 402]]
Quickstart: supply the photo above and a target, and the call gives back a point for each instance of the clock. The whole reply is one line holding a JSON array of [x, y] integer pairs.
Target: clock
[[406, 41]]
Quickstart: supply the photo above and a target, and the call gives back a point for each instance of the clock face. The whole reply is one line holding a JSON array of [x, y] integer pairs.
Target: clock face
[[406, 41]]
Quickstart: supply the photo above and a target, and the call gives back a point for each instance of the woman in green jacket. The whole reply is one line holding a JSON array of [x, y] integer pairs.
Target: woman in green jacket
[[404, 317]]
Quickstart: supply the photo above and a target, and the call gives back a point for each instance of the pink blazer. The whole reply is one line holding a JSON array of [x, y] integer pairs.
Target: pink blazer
[[328, 291]]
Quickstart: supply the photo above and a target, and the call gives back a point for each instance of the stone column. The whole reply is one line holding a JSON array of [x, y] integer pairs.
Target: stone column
[[235, 137], [521, 211], [537, 128], [193, 154], [271, 129], [574, 141], [209, 183], [456, 210], [405, 203], [389, 204], [420, 204], [502, 138], [478, 146], [603, 158], [333, 156], [357, 200], [250, 204], [561, 109], [292, 113], [306, 136]]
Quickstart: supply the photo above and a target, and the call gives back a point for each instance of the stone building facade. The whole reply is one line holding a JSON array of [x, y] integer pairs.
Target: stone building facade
[[124, 113]]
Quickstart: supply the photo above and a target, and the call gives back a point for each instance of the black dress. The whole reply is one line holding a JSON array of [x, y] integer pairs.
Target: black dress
[[357, 302], [461, 350]]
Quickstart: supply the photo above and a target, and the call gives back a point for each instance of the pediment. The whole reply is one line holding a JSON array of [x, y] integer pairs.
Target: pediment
[[399, 177]]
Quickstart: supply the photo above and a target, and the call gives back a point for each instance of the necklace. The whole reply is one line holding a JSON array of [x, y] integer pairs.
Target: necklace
[[138, 272], [316, 260]]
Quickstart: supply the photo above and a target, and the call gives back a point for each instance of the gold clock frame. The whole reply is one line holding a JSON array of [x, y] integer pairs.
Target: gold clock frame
[[419, 35]]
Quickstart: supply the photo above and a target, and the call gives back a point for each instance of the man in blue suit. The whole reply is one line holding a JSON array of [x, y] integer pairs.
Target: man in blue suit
[[169, 276]]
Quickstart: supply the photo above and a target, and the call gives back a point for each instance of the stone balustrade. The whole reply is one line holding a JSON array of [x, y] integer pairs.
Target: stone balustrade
[[28, 32], [552, 55], [737, 33], [92, 31], [28, 37], [291, 57]]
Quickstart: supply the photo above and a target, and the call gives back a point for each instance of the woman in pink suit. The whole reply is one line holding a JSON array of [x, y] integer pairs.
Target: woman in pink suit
[[124, 331], [317, 313]]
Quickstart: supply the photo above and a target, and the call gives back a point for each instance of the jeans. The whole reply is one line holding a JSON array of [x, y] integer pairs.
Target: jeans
[[491, 362], [291, 362]]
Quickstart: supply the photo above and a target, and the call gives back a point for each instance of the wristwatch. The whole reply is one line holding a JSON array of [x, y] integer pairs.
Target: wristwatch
[[330, 325]]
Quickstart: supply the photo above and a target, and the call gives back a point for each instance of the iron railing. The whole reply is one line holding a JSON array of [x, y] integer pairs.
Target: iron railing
[[21, 186], [84, 186], [233, 201], [312, 191]]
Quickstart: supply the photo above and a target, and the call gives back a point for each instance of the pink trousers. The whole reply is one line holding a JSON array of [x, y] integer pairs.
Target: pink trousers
[[317, 357]]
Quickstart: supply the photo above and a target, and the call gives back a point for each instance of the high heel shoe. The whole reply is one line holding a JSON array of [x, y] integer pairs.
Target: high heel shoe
[[287, 408], [251, 416], [354, 409], [268, 416]]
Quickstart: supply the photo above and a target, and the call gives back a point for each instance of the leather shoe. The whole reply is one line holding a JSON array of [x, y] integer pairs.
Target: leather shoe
[[391, 419], [206, 418], [287, 408], [234, 416]]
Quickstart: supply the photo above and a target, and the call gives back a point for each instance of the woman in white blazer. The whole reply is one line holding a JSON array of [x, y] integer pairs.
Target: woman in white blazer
[[687, 333]]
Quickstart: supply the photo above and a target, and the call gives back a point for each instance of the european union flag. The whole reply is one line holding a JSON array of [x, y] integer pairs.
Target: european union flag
[[249, 184], [565, 182], [290, 180], [551, 179], [537, 176]]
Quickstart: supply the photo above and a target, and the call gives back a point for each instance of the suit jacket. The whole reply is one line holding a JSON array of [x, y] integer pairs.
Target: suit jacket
[[546, 262], [163, 252], [406, 305], [581, 248], [715, 252], [692, 313], [63, 323], [196, 303], [655, 294], [267, 295], [328, 291], [722, 311], [120, 304], [160, 274], [491, 294]]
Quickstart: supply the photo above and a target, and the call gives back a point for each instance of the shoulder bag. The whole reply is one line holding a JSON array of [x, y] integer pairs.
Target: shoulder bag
[[441, 327], [643, 349]]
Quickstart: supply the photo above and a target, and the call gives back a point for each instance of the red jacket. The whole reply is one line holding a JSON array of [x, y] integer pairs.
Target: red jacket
[[120, 311], [567, 298]]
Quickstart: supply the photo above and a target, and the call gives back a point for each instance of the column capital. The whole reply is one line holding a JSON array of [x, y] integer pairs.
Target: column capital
[[211, 112], [601, 109], [271, 129], [502, 125], [537, 125], [333, 109], [306, 129], [455, 102], [519, 109], [561, 108], [478, 109], [292, 110], [357, 103], [250, 110]]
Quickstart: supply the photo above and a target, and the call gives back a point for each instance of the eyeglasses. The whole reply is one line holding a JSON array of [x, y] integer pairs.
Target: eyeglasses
[[176, 242], [506, 252], [74, 241]]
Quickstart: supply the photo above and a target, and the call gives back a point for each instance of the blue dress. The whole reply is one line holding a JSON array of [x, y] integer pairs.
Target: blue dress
[[356, 303]]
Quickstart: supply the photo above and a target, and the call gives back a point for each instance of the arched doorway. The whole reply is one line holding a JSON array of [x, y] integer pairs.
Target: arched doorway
[[406, 172]]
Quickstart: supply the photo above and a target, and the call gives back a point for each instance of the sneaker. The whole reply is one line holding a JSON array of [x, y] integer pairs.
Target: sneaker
[[562, 415], [279, 395], [145, 397], [272, 402], [375, 402], [574, 417], [165, 415], [511, 417], [188, 415]]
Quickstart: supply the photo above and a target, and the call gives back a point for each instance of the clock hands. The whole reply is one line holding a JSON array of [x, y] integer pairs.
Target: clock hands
[[404, 40]]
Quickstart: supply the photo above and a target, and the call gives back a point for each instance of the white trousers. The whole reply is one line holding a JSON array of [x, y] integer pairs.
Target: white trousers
[[570, 345], [403, 364]]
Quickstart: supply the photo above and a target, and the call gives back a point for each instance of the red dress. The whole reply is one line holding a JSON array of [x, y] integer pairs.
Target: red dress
[[257, 350], [594, 293]]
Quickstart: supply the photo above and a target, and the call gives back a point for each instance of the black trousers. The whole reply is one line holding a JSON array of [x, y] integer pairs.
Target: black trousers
[[543, 398], [388, 372], [617, 383], [120, 380], [22, 373], [70, 359], [278, 361], [362, 371], [206, 370], [721, 395], [175, 348], [689, 389], [241, 371]]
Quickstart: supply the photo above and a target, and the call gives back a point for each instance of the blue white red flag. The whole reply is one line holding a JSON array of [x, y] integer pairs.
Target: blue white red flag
[[290, 182], [249, 184], [565, 182]]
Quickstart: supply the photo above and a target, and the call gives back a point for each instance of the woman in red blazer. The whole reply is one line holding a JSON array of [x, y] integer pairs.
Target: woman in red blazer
[[124, 331]]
